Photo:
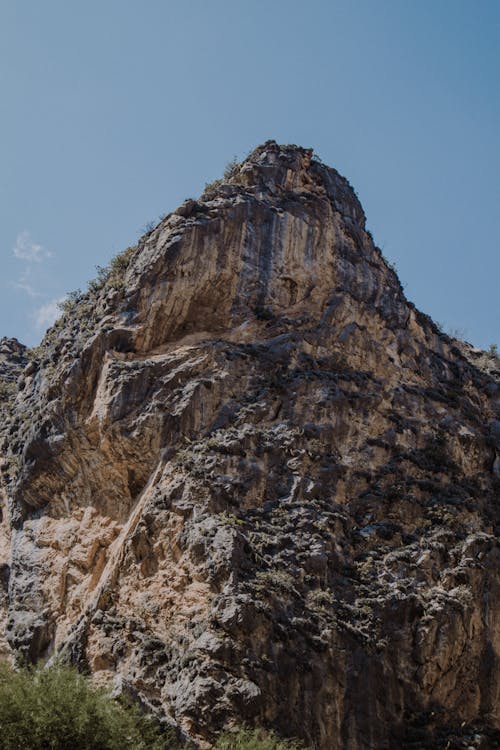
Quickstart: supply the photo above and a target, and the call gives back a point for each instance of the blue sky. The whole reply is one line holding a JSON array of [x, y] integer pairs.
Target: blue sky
[[113, 112]]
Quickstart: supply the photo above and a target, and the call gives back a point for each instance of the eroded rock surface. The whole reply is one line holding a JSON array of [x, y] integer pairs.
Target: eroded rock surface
[[248, 481], [13, 360]]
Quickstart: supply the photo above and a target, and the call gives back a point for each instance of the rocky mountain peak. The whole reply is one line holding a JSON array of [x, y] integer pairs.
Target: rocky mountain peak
[[294, 170], [246, 481], [259, 242]]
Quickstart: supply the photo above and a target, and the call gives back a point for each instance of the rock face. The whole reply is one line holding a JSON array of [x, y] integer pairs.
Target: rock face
[[248, 481], [13, 359]]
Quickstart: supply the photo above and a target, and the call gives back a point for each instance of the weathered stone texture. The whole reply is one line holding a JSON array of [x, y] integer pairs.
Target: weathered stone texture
[[247, 480]]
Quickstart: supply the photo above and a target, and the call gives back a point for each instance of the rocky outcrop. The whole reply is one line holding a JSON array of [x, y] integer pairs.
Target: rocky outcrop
[[13, 359], [248, 481]]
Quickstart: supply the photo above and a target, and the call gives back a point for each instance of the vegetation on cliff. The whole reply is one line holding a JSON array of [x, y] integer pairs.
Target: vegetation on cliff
[[56, 708]]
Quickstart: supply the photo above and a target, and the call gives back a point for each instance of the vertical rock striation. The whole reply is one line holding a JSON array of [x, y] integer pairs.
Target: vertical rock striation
[[248, 481]]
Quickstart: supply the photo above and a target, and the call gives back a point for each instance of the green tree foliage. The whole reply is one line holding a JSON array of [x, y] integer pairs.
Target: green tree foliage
[[255, 739], [58, 709]]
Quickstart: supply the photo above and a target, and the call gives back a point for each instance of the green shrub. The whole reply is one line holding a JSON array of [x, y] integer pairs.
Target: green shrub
[[255, 739], [210, 187], [56, 708], [231, 169], [70, 301], [231, 174], [112, 276]]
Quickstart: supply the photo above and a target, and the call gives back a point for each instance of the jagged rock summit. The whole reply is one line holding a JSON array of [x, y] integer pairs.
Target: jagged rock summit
[[245, 480]]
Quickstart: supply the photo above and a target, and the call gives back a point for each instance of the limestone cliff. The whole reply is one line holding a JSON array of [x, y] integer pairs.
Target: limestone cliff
[[248, 481]]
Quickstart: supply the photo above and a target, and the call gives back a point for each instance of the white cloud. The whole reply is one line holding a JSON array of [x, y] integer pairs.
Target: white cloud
[[47, 314], [28, 250], [24, 284], [30, 253], [25, 287]]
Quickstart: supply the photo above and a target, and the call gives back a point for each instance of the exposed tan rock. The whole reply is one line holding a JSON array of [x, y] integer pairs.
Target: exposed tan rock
[[248, 481]]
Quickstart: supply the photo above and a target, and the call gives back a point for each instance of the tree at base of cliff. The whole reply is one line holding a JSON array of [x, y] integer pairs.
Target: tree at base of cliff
[[255, 739], [58, 709]]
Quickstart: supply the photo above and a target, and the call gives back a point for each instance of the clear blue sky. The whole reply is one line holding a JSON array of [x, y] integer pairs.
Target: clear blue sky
[[114, 111]]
